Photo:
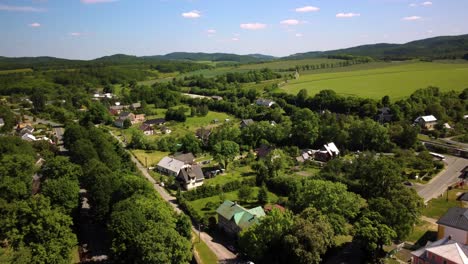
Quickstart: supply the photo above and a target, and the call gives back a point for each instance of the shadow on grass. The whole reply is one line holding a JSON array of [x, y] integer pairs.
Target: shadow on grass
[[428, 236]]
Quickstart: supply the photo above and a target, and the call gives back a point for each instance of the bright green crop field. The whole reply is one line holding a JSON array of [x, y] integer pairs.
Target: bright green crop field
[[397, 81]]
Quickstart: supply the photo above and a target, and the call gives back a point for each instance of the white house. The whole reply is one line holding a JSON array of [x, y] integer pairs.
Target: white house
[[191, 177], [265, 102], [28, 137], [427, 122], [2, 123], [443, 251], [170, 166], [454, 224]]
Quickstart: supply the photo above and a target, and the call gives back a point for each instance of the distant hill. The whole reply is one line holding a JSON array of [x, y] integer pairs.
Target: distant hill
[[445, 47], [200, 56]]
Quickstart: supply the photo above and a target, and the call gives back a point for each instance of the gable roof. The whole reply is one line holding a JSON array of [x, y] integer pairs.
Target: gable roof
[[332, 149], [157, 121], [191, 172], [445, 248], [242, 217], [455, 217], [246, 122], [171, 164], [264, 102], [2, 122], [187, 158], [146, 127], [428, 118], [125, 115]]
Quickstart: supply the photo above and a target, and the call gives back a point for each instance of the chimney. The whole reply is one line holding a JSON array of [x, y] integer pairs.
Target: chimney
[[449, 237]]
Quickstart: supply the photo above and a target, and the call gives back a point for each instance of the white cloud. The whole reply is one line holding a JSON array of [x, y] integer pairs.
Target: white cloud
[[306, 9], [411, 18], [235, 39], [211, 31], [253, 26], [347, 15], [290, 22], [20, 8], [76, 34], [299, 35], [97, 1], [413, 5], [192, 14], [34, 25], [427, 3]]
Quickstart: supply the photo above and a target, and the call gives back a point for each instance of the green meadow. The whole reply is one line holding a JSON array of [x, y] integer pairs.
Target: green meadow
[[375, 80]]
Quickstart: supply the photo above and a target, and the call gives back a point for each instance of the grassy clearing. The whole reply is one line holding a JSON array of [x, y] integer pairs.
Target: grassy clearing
[[422, 232], [375, 80], [199, 204], [206, 256], [285, 64], [436, 208], [153, 157], [231, 175]]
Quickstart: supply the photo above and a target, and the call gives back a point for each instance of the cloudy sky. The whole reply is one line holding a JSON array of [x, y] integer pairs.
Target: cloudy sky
[[86, 29]]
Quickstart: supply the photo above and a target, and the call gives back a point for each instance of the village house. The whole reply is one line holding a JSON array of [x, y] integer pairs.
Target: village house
[[246, 122], [135, 106], [328, 152], [28, 137], [155, 122], [170, 166], [216, 98], [454, 224], [263, 151], [129, 116], [385, 115], [442, 251], [203, 134], [187, 158], [265, 102], [426, 122], [190, 177], [147, 129], [463, 200], [2, 122], [306, 154], [233, 218], [116, 109]]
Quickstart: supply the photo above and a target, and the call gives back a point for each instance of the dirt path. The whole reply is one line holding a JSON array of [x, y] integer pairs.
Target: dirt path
[[221, 252]]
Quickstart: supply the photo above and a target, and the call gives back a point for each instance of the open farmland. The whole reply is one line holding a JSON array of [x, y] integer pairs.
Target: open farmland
[[396, 81]]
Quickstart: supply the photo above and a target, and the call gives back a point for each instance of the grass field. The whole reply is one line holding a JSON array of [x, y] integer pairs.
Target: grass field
[[206, 256], [152, 157], [232, 174], [438, 207], [375, 80]]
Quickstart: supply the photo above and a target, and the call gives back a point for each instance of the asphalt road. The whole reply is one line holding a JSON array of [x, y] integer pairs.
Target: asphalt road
[[439, 184], [221, 252]]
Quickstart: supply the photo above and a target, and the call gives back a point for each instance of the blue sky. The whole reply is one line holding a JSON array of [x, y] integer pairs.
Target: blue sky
[[87, 29]]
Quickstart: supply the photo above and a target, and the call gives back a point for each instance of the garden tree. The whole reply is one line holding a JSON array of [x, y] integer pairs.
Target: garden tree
[[262, 172], [184, 226], [139, 140], [332, 129], [15, 145], [127, 123], [143, 230], [304, 127], [101, 183], [244, 193], [96, 114], [74, 133], [176, 114], [82, 151], [38, 98], [302, 97], [226, 131], [401, 212], [225, 152], [130, 185], [263, 195], [15, 176], [190, 143], [62, 192], [385, 101], [263, 241], [368, 135], [61, 167], [372, 234], [377, 176], [404, 134], [327, 197], [35, 225], [276, 161], [309, 238], [8, 118]]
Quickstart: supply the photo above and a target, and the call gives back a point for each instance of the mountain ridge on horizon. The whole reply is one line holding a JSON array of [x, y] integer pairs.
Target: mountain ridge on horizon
[[445, 46]]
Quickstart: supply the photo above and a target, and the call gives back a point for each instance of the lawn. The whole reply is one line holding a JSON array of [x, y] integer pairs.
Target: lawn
[[231, 175], [204, 253], [375, 80], [15, 71], [199, 204], [153, 157], [422, 232], [439, 206]]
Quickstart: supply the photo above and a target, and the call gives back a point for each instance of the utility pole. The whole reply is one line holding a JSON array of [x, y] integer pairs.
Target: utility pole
[[146, 162], [199, 232]]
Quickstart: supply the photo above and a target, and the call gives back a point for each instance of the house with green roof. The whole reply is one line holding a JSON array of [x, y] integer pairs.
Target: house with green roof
[[233, 218]]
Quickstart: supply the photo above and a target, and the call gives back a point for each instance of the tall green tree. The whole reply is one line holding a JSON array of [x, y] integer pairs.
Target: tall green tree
[[225, 152]]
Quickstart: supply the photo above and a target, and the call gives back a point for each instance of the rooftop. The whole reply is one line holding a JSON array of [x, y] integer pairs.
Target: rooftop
[[455, 217]]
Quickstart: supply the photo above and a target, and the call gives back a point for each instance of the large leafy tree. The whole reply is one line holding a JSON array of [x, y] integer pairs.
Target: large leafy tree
[[305, 127], [63, 193], [225, 152]]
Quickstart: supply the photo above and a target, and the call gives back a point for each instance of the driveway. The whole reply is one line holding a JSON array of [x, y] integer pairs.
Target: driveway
[[221, 252], [439, 184]]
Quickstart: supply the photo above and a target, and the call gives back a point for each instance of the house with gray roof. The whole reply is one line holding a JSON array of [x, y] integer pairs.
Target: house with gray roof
[[187, 158], [170, 166], [233, 218], [246, 122], [428, 122], [444, 250], [454, 224], [190, 177], [265, 102]]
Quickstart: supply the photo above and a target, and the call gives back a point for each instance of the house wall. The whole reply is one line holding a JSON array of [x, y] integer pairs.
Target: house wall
[[458, 235], [166, 171], [193, 184], [430, 259], [228, 226]]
